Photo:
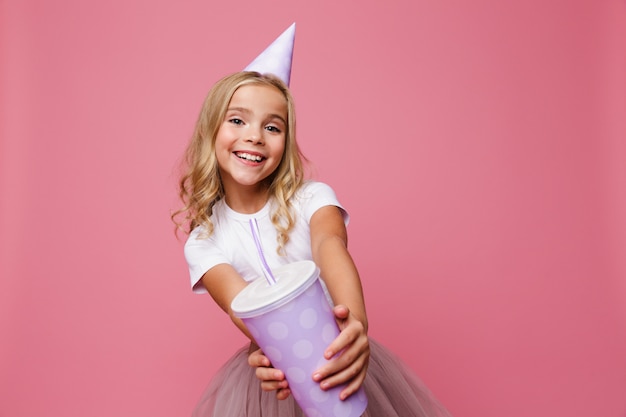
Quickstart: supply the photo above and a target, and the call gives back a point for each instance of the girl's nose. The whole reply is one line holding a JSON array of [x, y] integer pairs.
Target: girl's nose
[[254, 135]]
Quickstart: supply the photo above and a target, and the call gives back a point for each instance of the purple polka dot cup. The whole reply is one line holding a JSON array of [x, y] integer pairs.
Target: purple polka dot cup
[[293, 323]]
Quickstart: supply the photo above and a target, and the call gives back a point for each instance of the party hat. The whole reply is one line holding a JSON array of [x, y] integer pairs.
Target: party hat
[[276, 58]]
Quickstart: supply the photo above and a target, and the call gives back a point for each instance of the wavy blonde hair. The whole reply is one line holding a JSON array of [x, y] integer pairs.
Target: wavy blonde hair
[[200, 186]]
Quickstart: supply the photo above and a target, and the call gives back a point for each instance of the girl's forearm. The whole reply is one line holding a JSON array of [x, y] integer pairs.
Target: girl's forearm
[[340, 275]]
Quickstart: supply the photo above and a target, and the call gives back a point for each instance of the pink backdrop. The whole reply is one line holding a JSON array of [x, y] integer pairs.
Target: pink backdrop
[[478, 145]]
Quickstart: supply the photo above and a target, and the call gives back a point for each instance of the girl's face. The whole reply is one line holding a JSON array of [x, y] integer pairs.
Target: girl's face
[[251, 140]]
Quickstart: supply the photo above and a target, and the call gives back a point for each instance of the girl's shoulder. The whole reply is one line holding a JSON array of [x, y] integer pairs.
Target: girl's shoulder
[[313, 195], [311, 187]]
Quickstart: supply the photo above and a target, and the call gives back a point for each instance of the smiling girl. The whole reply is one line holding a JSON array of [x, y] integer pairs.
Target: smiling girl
[[243, 163]]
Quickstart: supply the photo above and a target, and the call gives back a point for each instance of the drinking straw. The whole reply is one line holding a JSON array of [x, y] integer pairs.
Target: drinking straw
[[256, 234]]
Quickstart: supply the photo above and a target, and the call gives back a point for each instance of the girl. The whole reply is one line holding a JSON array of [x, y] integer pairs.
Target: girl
[[244, 163]]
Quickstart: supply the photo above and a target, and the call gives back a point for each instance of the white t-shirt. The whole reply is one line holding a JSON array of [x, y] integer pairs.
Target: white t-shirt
[[232, 241]]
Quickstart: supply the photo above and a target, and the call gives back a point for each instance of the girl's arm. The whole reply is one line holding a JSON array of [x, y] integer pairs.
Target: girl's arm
[[330, 253], [224, 283]]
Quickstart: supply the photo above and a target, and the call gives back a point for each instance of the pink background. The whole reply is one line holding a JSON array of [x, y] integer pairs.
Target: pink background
[[478, 145]]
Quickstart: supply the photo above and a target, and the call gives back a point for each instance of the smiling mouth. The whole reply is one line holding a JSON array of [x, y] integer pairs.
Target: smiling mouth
[[249, 157]]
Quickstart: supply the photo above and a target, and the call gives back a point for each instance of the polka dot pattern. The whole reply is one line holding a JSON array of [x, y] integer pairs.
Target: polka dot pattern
[[308, 318], [342, 409], [294, 338], [278, 330], [318, 395], [329, 332], [303, 349], [273, 352], [295, 375]]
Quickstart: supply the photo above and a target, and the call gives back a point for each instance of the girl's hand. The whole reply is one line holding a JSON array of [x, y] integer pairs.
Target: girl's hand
[[352, 347], [271, 379]]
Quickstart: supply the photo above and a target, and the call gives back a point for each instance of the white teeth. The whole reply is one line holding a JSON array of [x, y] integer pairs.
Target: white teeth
[[249, 157]]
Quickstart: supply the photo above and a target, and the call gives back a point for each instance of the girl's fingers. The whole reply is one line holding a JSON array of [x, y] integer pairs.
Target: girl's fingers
[[273, 380], [348, 336], [354, 384], [341, 312], [283, 394], [343, 372], [257, 358], [269, 375], [345, 366], [274, 385]]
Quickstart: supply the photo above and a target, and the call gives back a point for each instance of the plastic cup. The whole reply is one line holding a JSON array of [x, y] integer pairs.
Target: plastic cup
[[293, 323]]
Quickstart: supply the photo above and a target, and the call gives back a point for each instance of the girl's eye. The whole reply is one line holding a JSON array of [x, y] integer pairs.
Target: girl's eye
[[236, 121], [273, 129]]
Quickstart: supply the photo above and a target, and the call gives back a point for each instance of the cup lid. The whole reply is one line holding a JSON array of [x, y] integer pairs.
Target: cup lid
[[260, 297]]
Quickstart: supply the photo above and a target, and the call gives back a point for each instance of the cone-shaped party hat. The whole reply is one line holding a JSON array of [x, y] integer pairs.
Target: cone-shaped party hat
[[276, 58]]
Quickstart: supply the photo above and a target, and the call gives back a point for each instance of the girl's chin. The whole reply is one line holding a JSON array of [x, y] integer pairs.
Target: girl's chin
[[246, 179], [249, 182]]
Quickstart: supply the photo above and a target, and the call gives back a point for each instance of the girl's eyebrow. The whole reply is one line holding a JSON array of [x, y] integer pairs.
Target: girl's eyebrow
[[240, 109], [279, 117]]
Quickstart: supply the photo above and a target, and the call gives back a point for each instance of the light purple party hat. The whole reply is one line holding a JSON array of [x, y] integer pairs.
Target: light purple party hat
[[276, 58]]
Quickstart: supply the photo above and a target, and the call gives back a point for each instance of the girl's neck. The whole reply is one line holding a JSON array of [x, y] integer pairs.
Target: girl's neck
[[247, 200]]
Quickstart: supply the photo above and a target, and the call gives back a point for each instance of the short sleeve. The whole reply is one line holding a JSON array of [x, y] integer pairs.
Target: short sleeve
[[315, 195], [201, 254]]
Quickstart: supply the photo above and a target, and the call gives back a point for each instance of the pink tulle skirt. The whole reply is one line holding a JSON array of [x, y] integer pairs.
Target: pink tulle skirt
[[392, 391]]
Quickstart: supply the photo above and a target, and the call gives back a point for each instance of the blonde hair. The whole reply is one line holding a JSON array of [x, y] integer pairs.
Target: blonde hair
[[200, 186]]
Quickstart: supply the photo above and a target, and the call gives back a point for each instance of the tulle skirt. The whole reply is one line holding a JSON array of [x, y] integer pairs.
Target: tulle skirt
[[392, 391]]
